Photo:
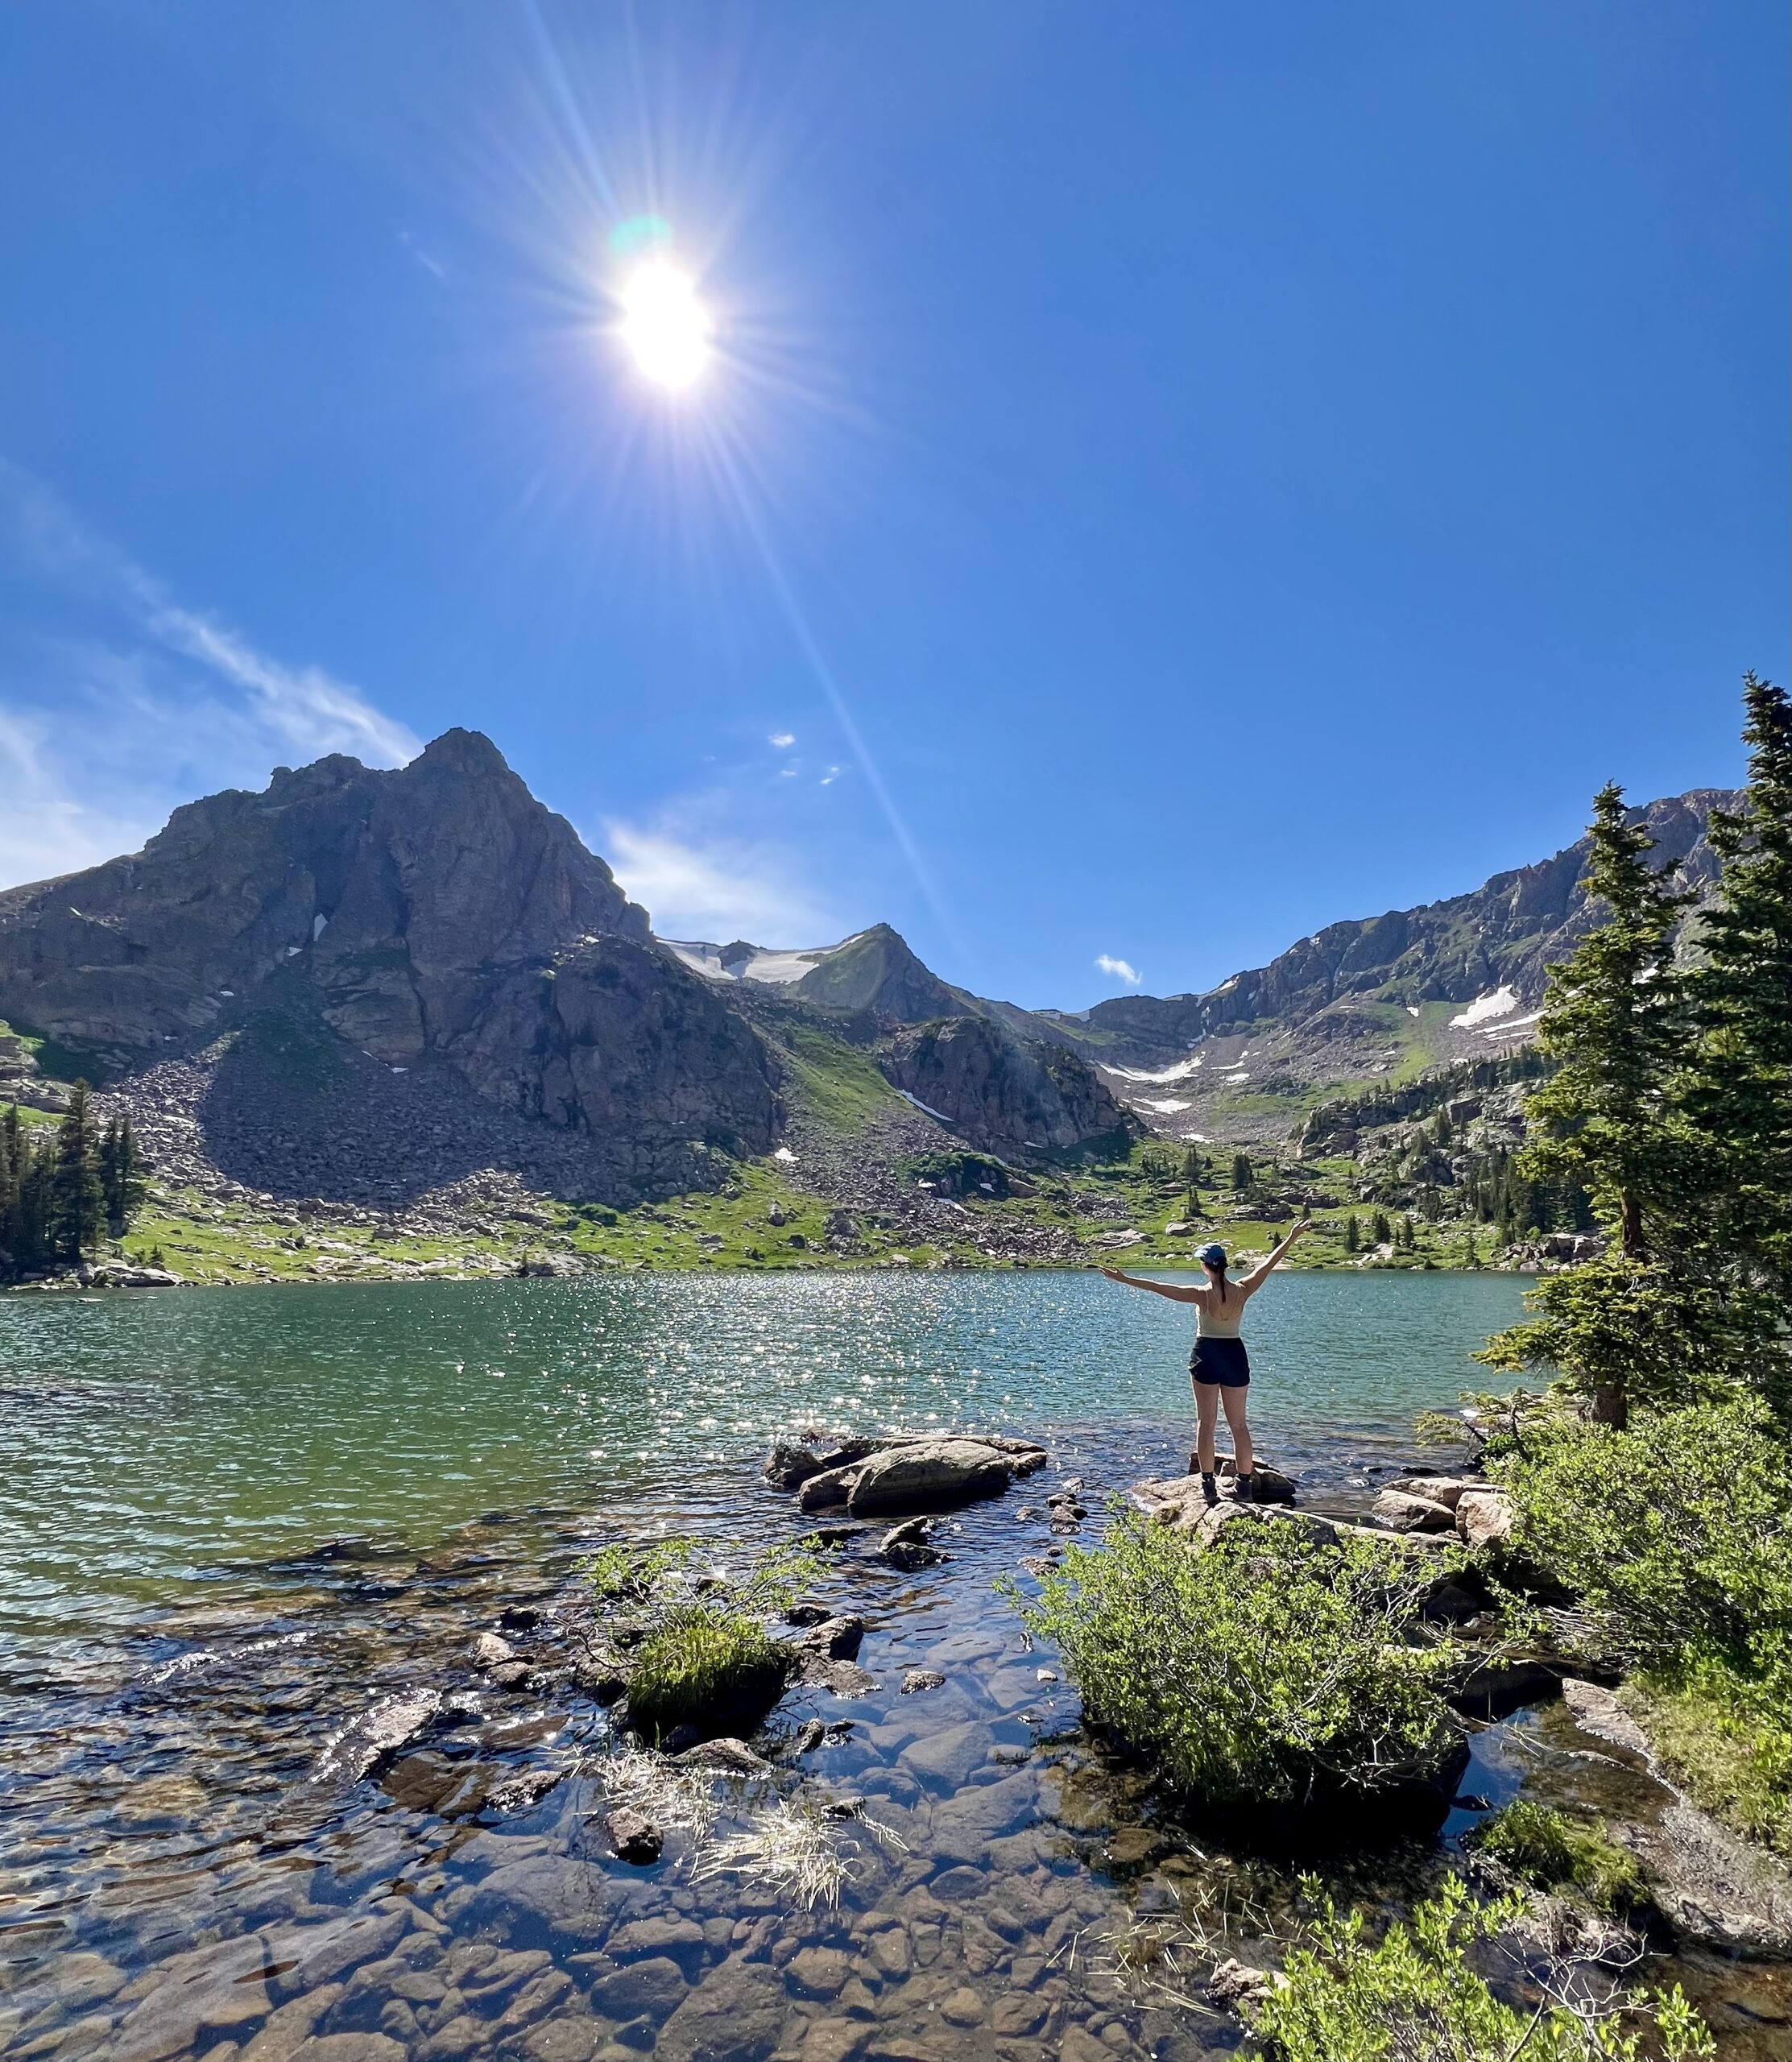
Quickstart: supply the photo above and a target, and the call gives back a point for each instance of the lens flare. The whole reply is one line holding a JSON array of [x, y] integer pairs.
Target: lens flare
[[666, 328]]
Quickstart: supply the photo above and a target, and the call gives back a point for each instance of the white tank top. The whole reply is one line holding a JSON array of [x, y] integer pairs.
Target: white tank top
[[1212, 1323]]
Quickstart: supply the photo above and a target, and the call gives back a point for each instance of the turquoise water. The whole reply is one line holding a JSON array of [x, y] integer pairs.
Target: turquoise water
[[149, 1441]]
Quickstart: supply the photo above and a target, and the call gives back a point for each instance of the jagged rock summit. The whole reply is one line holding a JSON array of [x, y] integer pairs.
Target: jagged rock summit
[[301, 949]]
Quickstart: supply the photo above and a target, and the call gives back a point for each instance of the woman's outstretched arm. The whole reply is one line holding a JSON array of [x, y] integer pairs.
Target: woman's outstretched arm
[[1275, 1257], [1176, 1292]]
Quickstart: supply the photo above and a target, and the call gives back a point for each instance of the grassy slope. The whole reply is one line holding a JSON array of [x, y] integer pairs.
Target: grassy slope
[[830, 1082]]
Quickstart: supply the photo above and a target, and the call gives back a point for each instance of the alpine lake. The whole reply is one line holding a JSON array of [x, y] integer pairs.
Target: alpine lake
[[232, 1522]]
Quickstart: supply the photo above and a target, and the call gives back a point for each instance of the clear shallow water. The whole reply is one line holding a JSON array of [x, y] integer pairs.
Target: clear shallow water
[[177, 1878]]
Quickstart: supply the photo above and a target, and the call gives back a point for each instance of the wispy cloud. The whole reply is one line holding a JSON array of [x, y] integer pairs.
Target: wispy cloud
[[782, 739], [119, 700], [432, 265], [1119, 970], [698, 884]]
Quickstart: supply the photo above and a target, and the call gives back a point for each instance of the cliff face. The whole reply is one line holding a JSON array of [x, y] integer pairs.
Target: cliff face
[[437, 916], [1001, 1093]]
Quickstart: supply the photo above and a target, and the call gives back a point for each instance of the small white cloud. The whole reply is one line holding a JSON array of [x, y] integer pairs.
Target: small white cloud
[[782, 739], [1117, 969], [829, 778], [697, 885], [789, 773]]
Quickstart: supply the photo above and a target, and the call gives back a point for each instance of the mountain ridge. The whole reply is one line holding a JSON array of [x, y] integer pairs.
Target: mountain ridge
[[374, 984]]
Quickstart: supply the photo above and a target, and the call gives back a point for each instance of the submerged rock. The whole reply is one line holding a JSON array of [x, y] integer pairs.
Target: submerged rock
[[377, 1735], [728, 1756], [634, 1835], [906, 1547], [838, 1638]]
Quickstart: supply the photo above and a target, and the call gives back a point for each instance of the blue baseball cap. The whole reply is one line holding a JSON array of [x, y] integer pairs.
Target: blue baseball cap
[[1212, 1255]]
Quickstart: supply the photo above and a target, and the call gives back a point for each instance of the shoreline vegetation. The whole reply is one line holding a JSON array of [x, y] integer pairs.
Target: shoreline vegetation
[[760, 1220]]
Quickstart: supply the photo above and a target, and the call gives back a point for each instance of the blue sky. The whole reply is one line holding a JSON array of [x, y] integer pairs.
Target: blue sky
[[1168, 477]]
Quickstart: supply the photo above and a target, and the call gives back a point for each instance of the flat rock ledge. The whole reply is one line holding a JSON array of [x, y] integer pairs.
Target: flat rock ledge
[[1712, 1884], [906, 1473]]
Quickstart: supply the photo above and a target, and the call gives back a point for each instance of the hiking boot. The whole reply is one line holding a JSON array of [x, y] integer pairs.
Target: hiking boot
[[1247, 1489], [1209, 1491]]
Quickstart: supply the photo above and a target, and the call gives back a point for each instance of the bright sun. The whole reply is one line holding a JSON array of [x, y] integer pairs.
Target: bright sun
[[666, 328]]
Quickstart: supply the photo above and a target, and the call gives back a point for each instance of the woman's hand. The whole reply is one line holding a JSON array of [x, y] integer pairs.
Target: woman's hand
[[1305, 1224], [1113, 1274]]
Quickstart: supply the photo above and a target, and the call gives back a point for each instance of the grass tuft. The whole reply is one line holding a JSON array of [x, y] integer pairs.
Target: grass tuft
[[1554, 1852]]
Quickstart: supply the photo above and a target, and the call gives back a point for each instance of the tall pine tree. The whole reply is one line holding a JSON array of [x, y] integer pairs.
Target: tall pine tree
[[1738, 1092], [78, 1202]]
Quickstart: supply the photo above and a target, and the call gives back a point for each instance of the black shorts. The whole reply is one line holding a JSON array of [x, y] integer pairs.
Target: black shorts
[[1221, 1360]]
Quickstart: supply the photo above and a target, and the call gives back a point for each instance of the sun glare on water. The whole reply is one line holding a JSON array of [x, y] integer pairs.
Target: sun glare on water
[[666, 328]]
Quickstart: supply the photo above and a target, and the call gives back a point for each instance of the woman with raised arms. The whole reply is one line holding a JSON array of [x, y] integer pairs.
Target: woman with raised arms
[[1220, 1367]]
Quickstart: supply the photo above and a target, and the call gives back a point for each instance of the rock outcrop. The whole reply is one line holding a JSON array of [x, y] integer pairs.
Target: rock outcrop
[[1000, 1092], [911, 1472]]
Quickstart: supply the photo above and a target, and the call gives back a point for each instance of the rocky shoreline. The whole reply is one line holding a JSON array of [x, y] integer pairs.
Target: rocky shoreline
[[896, 1860]]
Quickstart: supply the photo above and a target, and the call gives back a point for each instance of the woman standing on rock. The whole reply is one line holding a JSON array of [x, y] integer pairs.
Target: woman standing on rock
[[1220, 1367]]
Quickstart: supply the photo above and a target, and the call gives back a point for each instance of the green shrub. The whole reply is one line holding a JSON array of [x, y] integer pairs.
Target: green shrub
[[701, 1654], [1676, 1535], [627, 1571], [1554, 1852], [1415, 1994], [706, 1665], [1264, 1668]]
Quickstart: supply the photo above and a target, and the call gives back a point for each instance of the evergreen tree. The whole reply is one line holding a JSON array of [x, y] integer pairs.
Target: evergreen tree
[[1353, 1233], [37, 1203], [1407, 1238], [1738, 1095], [1614, 1016], [1241, 1172], [1470, 1258], [78, 1202], [1191, 1180], [1672, 1110], [12, 1173], [1381, 1231]]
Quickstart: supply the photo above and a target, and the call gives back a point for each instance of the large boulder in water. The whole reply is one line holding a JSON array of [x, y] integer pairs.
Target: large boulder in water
[[931, 1475], [913, 1473]]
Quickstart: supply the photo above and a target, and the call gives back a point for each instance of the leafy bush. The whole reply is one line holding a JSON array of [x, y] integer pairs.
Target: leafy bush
[[1415, 1994], [1677, 1535], [1264, 1669], [1551, 1850], [628, 1572], [707, 1665]]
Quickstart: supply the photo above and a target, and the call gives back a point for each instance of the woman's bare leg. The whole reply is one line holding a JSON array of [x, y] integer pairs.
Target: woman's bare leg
[[1206, 1412], [1234, 1400]]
